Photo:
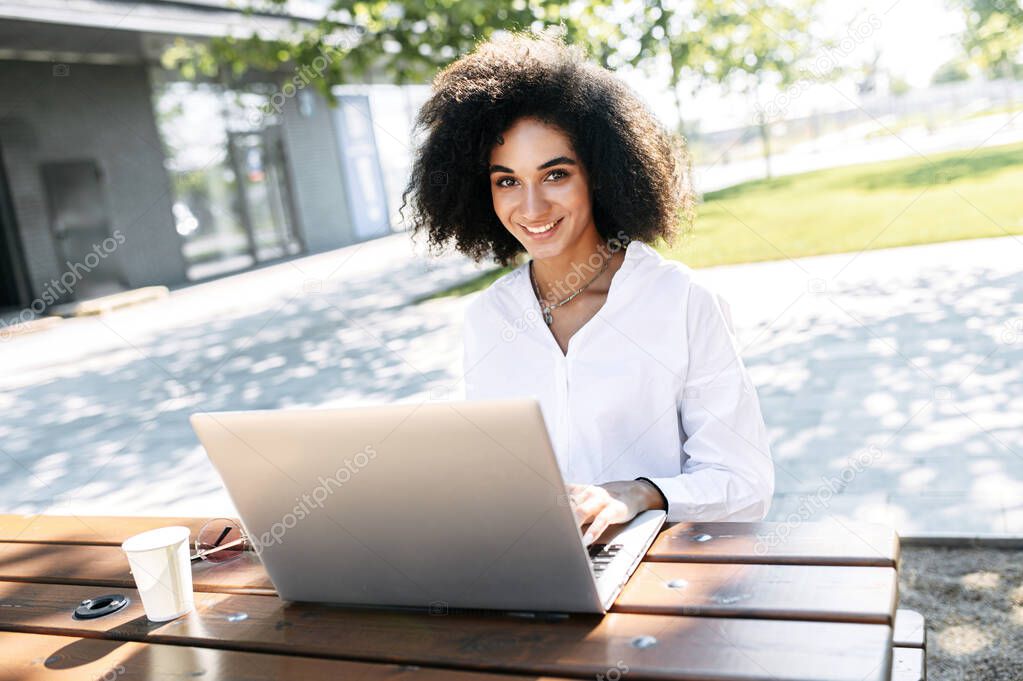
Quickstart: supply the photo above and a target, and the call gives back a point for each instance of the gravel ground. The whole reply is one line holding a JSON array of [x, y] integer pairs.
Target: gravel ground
[[972, 599]]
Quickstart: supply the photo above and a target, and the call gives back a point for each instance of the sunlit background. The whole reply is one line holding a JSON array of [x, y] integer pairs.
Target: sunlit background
[[200, 210]]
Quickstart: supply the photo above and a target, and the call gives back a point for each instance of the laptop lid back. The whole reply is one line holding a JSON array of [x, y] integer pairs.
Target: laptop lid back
[[437, 505]]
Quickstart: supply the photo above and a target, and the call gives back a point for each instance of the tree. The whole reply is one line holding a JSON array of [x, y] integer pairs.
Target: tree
[[737, 44], [751, 43], [743, 44], [673, 32], [402, 41], [993, 38], [952, 71], [898, 86]]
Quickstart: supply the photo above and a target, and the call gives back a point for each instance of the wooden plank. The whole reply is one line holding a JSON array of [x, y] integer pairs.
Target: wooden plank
[[649, 646], [108, 566], [828, 593], [910, 629], [816, 543], [84, 529], [909, 664], [800, 592], [37, 657]]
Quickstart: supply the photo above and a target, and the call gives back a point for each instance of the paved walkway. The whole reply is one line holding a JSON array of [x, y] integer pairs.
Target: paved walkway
[[891, 380], [94, 412], [892, 383]]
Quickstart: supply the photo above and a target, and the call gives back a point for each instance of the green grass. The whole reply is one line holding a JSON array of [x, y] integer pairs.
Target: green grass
[[1003, 109], [910, 201], [477, 283], [957, 195]]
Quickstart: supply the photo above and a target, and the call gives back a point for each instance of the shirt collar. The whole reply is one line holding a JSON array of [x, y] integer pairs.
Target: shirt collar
[[635, 251]]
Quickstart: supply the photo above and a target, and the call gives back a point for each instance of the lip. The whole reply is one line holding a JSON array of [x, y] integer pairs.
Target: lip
[[545, 235]]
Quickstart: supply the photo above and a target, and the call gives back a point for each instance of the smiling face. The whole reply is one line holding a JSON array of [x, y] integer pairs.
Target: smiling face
[[540, 190]]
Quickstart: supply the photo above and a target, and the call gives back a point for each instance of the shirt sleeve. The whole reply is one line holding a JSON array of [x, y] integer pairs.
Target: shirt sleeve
[[727, 470]]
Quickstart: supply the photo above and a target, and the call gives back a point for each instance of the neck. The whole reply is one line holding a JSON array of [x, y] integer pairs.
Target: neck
[[560, 275]]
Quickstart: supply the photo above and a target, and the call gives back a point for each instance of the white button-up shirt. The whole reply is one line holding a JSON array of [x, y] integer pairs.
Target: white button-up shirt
[[651, 386]]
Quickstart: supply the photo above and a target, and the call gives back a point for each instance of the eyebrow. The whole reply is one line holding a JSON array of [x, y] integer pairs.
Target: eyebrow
[[560, 160]]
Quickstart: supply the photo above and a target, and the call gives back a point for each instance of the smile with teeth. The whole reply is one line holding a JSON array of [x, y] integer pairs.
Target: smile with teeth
[[541, 229]]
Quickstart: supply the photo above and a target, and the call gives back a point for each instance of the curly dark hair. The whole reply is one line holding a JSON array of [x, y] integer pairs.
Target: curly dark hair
[[638, 171]]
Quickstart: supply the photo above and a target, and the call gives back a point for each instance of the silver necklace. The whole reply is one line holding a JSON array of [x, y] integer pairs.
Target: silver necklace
[[547, 308]]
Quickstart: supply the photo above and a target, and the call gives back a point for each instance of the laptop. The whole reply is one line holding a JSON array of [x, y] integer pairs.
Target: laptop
[[437, 506]]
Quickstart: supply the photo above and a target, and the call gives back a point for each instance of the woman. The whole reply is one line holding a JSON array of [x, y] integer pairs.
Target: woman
[[531, 149]]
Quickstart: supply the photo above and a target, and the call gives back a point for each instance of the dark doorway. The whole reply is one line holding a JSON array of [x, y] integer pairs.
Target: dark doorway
[[14, 288], [80, 224]]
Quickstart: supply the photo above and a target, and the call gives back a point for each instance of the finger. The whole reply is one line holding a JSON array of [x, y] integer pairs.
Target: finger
[[586, 511], [597, 527], [579, 493], [574, 488]]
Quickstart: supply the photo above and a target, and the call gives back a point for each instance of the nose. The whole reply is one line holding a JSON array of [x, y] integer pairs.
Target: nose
[[535, 205]]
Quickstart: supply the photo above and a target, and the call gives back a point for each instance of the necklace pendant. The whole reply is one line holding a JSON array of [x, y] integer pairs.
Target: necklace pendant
[[547, 316]]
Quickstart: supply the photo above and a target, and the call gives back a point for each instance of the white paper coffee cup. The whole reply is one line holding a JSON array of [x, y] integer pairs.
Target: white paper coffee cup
[[159, 561]]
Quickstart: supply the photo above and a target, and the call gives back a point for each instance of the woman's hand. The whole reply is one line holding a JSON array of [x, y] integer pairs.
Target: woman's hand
[[610, 503]]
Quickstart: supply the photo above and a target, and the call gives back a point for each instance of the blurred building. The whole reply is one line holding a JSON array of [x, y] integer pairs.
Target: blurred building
[[116, 173]]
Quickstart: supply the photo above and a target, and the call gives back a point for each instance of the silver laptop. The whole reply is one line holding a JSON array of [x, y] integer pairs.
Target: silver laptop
[[437, 506]]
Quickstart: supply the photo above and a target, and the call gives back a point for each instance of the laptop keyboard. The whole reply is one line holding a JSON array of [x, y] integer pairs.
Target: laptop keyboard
[[601, 556]]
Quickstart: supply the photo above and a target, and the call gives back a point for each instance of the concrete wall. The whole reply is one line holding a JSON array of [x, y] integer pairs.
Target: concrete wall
[[318, 185], [94, 112]]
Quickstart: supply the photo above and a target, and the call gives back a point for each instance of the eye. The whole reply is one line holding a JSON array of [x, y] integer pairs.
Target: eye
[[554, 175]]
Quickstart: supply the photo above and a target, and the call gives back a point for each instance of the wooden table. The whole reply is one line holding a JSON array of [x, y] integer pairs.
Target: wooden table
[[710, 601]]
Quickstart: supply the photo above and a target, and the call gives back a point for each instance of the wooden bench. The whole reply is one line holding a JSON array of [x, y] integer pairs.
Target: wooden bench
[[910, 630], [909, 638]]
